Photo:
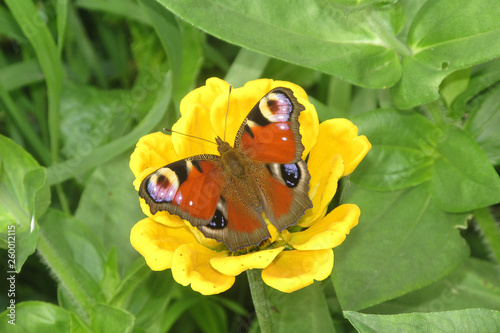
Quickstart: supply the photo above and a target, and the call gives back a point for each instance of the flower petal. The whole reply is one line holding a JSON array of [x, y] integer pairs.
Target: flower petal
[[157, 242], [325, 170], [329, 231], [191, 265], [340, 136], [151, 152], [235, 265], [293, 270], [195, 120]]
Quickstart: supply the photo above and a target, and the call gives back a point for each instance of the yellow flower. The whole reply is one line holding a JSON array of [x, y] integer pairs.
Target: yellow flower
[[289, 260]]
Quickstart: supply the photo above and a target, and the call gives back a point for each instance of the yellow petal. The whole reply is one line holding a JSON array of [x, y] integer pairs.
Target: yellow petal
[[329, 231], [163, 217], [325, 170], [293, 270], [204, 95], [235, 265], [191, 265], [157, 242], [340, 136], [151, 152]]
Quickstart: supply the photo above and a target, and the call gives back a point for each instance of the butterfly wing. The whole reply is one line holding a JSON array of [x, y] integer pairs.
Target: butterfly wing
[[270, 136], [196, 190], [189, 188], [270, 132]]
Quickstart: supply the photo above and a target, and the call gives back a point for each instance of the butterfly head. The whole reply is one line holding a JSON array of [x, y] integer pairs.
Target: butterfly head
[[223, 146]]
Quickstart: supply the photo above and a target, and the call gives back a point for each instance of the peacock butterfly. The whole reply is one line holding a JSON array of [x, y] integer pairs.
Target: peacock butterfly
[[224, 196]]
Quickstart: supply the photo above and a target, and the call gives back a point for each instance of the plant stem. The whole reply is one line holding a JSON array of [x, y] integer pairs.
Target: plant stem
[[490, 231], [260, 300]]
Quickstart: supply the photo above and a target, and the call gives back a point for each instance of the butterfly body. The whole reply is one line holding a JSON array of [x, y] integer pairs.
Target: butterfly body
[[225, 196]]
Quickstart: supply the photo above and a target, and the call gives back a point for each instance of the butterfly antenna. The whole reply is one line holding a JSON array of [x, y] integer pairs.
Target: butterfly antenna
[[227, 110], [190, 136]]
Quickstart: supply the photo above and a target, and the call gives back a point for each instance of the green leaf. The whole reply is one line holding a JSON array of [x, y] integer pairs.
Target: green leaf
[[91, 117], [446, 36], [108, 319], [480, 83], [247, 66], [42, 317], [75, 257], [484, 122], [466, 321], [126, 8], [109, 206], [291, 309], [110, 281], [24, 198], [182, 44], [473, 285], [209, 316], [38, 34], [402, 151], [359, 47], [454, 84], [155, 292], [90, 158], [403, 242], [20, 74], [462, 178]]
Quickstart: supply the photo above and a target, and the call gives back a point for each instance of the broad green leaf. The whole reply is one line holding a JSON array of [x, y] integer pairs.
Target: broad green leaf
[[473, 285], [359, 47], [90, 158], [403, 144], [446, 36], [75, 256], [462, 178], [91, 117], [454, 84], [304, 310], [105, 318], [484, 123], [403, 242], [42, 317], [109, 206], [24, 198], [462, 321], [483, 77]]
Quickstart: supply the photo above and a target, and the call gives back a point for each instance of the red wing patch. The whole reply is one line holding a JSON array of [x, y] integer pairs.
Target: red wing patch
[[189, 188], [274, 142], [270, 133]]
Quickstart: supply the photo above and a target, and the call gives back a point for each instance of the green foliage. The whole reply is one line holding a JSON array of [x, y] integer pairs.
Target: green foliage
[[82, 81]]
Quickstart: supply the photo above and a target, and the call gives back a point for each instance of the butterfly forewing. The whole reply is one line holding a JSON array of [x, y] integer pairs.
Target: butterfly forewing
[[270, 133]]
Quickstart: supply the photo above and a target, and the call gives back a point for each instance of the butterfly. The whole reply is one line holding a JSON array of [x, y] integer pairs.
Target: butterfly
[[225, 196]]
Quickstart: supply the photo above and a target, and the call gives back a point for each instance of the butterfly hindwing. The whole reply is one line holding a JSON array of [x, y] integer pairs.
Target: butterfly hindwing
[[236, 224], [286, 191]]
